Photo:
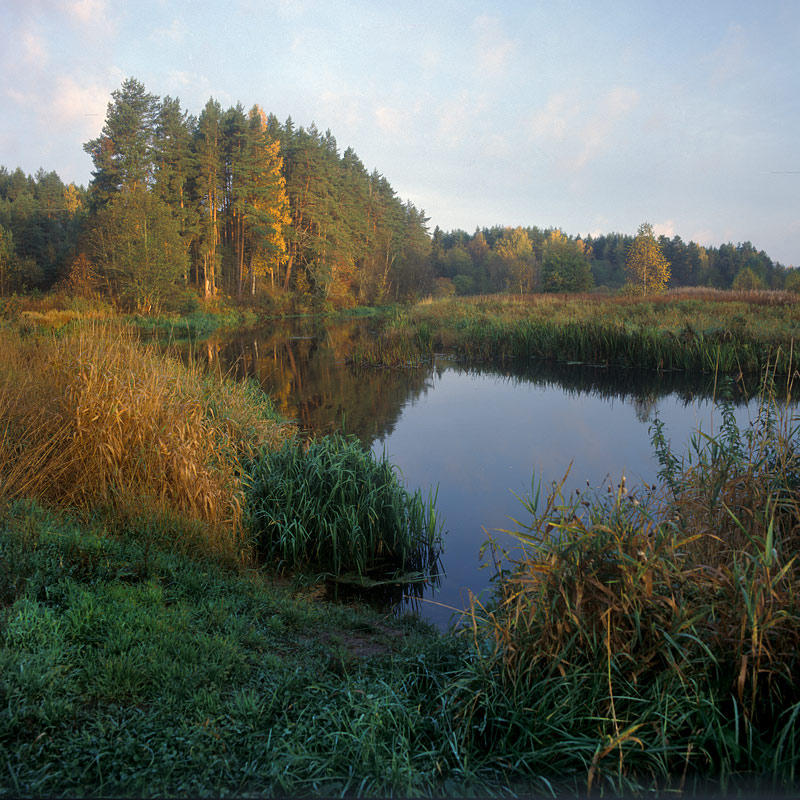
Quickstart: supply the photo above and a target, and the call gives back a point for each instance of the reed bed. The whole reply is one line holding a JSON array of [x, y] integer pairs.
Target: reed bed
[[651, 640], [94, 421], [728, 332], [336, 507]]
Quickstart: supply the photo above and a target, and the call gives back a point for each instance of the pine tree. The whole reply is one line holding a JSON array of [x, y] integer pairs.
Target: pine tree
[[265, 205], [208, 150], [123, 154]]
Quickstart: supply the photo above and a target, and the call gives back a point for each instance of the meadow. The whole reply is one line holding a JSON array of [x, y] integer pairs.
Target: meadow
[[695, 330], [163, 630]]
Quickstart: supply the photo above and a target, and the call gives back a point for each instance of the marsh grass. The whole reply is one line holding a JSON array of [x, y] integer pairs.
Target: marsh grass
[[710, 332], [336, 507], [652, 640], [93, 421]]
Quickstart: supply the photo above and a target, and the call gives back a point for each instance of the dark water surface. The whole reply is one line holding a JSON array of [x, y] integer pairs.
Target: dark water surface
[[479, 433]]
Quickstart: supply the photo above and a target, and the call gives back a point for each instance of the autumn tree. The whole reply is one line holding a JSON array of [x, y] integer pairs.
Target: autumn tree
[[518, 263], [647, 270], [264, 205]]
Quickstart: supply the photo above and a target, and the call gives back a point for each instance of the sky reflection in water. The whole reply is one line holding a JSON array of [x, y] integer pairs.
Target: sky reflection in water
[[478, 433]]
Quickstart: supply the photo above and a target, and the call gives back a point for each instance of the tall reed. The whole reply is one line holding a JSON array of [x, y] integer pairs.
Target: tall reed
[[94, 421], [652, 639], [336, 507], [727, 333]]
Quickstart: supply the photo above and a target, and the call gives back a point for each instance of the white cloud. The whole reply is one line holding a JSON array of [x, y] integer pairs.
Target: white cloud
[[394, 121], [175, 33], [597, 132], [553, 121], [664, 228], [91, 16], [494, 48], [34, 50], [730, 59], [78, 105], [345, 108], [430, 58], [456, 116]]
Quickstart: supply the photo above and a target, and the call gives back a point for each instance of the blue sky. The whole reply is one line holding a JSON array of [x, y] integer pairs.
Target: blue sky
[[589, 116]]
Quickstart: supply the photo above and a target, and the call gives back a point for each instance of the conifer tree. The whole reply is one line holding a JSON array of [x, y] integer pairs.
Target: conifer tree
[[123, 153]]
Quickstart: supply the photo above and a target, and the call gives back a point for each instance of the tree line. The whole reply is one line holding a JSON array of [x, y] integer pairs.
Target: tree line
[[235, 202]]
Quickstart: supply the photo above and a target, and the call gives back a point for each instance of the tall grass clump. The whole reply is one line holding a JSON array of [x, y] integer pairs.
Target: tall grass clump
[[653, 640], [336, 507], [94, 421]]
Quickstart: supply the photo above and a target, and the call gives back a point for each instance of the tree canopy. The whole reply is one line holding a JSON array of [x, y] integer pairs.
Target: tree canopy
[[248, 206], [647, 269]]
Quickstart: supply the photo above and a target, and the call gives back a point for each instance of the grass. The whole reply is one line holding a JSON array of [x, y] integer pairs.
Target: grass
[[633, 643], [127, 672], [105, 426], [711, 332], [334, 506]]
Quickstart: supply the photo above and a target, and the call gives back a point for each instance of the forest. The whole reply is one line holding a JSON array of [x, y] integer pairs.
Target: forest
[[236, 203]]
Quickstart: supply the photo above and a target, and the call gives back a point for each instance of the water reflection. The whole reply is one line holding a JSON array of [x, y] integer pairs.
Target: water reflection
[[301, 364], [479, 433]]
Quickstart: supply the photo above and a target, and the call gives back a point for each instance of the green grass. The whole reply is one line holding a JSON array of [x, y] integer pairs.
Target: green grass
[[335, 507], [194, 325], [127, 671], [719, 333]]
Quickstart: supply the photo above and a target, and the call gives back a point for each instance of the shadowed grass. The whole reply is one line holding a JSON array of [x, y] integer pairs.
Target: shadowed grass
[[335, 506], [128, 672]]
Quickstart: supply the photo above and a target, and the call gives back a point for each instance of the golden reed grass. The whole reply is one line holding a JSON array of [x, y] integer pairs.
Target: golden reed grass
[[95, 421]]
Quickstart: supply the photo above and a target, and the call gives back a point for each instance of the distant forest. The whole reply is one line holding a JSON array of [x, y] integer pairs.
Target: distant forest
[[234, 202]]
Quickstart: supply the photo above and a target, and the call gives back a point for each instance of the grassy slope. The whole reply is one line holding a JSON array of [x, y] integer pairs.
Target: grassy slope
[[127, 671]]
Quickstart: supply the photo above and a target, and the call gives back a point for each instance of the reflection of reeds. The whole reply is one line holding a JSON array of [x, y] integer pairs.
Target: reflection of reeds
[[336, 507], [658, 637], [726, 333], [94, 421]]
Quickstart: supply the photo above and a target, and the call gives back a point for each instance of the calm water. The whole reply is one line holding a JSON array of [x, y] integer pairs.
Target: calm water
[[480, 434]]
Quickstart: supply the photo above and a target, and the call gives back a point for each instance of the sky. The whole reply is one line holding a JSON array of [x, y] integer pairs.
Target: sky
[[590, 116]]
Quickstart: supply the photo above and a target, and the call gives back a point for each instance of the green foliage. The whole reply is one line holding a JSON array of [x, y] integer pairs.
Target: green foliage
[[793, 281], [565, 267], [336, 507], [747, 280], [137, 247], [128, 671]]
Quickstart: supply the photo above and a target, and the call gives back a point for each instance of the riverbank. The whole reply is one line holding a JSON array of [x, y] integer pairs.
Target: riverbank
[[703, 331], [145, 648]]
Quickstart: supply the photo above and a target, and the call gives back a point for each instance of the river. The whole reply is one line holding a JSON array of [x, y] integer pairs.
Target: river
[[479, 434]]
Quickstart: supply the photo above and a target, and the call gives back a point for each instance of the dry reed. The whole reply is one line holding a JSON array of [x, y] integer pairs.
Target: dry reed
[[95, 421]]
